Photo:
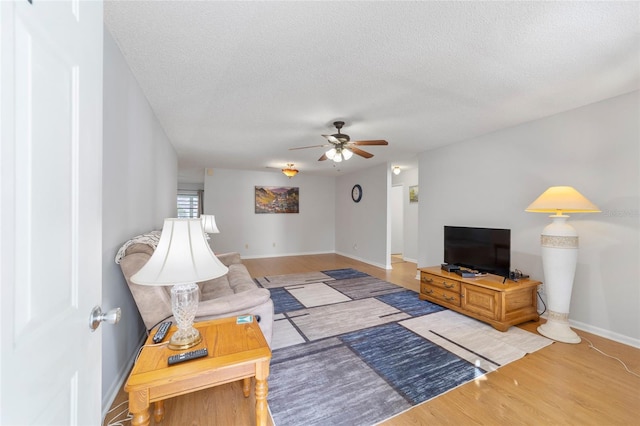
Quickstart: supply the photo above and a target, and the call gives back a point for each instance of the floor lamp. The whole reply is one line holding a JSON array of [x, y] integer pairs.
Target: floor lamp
[[182, 259], [559, 241]]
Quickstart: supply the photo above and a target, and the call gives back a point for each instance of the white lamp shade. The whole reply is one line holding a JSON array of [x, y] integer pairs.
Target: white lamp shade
[[562, 199], [346, 153], [331, 153], [183, 256], [209, 224]]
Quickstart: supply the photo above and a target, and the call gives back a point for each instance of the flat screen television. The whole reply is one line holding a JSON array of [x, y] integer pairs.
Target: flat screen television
[[487, 250]]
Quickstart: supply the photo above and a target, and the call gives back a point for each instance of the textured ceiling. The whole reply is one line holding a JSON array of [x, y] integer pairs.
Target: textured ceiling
[[236, 84]]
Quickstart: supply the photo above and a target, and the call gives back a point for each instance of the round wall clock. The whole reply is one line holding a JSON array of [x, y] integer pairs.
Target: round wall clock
[[356, 193]]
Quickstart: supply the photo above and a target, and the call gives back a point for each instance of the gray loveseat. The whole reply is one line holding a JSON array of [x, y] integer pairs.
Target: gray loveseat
[[232, 294]]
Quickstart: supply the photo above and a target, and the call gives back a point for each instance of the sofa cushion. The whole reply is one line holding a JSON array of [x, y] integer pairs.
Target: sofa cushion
[[215, 288]]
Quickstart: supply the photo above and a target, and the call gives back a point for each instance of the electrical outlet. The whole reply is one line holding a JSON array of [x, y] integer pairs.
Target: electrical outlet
[[246, 246], [274, 244], [541, 288]]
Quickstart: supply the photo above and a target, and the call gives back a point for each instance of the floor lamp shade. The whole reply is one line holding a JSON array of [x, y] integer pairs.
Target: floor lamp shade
[[183, 258], [559, 241]]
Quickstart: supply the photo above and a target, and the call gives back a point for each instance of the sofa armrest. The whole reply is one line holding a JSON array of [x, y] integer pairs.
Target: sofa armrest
[[229, 258]]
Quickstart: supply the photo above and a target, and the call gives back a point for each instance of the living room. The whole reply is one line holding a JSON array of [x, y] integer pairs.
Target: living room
[[487, 180]]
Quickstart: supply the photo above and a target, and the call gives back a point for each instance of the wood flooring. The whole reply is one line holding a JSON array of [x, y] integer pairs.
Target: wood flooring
[[562, 384]]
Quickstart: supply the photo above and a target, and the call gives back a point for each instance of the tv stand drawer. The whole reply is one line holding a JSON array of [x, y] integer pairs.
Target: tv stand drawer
[[438, 281], [437, 294]]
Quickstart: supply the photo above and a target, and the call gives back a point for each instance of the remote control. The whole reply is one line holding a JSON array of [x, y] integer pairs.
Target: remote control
[[162, 331], [187, 356]]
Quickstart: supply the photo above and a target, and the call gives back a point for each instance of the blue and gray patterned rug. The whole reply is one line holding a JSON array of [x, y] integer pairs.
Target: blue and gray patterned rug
[[351, 349]]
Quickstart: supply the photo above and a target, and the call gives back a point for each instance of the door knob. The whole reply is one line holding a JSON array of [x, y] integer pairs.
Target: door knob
[[97, 316]]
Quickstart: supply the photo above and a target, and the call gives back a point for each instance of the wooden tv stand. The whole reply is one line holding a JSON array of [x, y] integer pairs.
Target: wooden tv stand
[[484, 298]]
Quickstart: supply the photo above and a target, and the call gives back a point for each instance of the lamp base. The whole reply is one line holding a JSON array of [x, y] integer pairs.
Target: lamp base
[[184, 339], [184, 303], [557, 328]]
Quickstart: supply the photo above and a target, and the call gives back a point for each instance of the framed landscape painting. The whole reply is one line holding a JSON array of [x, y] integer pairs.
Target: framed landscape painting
[[413, 194], [277, 199]]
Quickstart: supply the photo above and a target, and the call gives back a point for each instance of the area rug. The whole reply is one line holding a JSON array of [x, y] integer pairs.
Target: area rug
[[351, 349]]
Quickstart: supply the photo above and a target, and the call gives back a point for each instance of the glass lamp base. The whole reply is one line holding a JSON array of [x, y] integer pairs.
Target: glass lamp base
[[184, 302], [184, 339]]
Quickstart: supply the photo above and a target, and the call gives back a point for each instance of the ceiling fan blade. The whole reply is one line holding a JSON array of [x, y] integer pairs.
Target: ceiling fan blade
[[331, 138], [305, 147], [373, 142], [324, 157], [360, 152]]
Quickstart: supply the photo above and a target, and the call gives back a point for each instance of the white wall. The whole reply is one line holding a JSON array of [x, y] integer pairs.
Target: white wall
[[408, 178], [362, 229], [229, 195], [139, 191], [489, 181]]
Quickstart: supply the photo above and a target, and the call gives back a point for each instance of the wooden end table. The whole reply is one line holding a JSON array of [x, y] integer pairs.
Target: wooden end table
[[236, 351]]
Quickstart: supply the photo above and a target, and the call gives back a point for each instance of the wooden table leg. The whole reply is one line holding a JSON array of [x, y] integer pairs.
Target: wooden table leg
[[261, 402], [246, 386], [262, 390], [139, 408], [140, 419], [158, 413]]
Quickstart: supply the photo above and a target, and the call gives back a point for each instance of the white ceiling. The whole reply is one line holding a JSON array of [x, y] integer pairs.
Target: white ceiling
[[236, 84]]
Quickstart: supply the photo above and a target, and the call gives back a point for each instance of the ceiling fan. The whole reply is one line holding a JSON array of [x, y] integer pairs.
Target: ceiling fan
[[342, 147]]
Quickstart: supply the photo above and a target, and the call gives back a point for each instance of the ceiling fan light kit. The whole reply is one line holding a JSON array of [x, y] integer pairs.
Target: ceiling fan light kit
[[290, 171], [337, 155]]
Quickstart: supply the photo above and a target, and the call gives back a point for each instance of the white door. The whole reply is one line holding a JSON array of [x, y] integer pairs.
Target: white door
[[51, 213]]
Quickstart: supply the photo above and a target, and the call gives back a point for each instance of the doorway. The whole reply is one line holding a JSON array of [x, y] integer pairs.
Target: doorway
[[397, 223]]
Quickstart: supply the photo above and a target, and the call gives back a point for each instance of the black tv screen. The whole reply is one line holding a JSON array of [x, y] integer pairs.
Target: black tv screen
[[486, 250]]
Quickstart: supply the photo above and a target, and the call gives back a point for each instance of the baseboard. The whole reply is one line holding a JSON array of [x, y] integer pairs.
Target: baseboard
[[263, 256], [378, 265], [607, 334], [112, 393]]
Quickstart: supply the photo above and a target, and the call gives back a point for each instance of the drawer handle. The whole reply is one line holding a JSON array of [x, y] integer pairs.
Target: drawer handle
[[428, 280], [429, 291], [448, 299], [448, 285]]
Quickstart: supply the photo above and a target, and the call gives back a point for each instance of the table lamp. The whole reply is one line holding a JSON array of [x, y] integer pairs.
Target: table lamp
[[209, 224], [559, 241], [183, 258]]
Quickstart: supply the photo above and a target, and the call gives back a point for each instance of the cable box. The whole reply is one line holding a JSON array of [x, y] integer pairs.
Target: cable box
[[467, 274], [449, 268]]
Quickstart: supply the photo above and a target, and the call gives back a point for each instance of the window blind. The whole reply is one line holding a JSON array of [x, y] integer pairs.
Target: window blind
[[189, 204]]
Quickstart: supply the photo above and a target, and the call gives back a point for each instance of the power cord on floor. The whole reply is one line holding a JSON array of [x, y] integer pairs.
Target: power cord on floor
[[114, 422], [543, 304], [592, 346]]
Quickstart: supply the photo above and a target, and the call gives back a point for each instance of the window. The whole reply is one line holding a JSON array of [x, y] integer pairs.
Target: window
[[189, 204]]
